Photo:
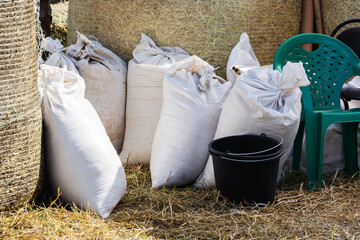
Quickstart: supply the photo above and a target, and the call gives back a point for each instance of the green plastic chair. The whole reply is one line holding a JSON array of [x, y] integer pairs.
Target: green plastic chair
[[327, 68]]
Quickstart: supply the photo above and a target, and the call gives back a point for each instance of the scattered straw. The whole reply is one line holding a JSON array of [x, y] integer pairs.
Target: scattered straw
[[188, 213]]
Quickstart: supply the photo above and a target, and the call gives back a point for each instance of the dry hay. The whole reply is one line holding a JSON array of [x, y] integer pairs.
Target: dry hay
[[188, 213], [20, 112], [59, 21], [335, 12], [208, 29]]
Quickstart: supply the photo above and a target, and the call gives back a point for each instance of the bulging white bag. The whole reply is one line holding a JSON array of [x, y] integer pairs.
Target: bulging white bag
[[262, 100], [241, 59], [144, 97], [193, 99], [81, 159], [105, 79]]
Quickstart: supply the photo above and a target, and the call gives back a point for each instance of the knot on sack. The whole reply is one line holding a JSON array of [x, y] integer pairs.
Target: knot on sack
[[207, 75]]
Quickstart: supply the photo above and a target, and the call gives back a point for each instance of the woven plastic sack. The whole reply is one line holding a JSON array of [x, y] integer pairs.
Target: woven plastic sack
[[241, 59], [144, 97], [193, 99], [20, 115], [81, 160], [262, 100], [105, 80]]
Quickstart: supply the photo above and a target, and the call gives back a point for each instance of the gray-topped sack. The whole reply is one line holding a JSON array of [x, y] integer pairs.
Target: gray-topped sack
[[105, 79]]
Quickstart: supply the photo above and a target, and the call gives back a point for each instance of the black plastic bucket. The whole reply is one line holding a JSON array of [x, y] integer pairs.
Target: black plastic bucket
[[248, 179]]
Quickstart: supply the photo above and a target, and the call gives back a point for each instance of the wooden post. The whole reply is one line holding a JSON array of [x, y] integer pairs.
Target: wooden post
[[307, 23]]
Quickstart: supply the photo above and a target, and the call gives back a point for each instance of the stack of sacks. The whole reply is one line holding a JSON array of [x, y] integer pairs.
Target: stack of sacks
[[81, 159], [105, 78], [192, 101], [144, 97], [261, 101], [333, 155]]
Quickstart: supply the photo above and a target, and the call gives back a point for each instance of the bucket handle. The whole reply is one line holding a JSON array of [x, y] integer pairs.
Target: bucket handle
[[262, 135]]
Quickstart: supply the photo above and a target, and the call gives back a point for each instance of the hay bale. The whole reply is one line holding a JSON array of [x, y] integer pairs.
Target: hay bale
[[20, 113], [209, 29], [335, 12], [59, 21]]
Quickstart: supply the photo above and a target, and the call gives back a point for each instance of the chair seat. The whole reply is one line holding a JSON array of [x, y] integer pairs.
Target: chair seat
[[350, 115]]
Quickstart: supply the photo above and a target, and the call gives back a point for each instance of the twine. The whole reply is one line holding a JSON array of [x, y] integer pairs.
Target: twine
[[20, 113], [208, 29]]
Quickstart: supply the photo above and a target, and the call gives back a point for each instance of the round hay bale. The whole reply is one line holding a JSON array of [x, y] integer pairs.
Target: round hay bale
[[20, 112], [335, 12], [208, 29]]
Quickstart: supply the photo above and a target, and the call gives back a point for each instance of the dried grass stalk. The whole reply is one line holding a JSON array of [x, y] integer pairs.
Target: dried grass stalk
[[20, 113], [209, 29]]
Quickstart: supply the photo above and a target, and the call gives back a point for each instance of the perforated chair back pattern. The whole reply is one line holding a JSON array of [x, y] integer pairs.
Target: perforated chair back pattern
[[328, 67]]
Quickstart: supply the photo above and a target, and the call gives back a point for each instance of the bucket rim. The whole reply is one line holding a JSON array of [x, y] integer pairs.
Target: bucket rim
[[250, 157], [229, 154]]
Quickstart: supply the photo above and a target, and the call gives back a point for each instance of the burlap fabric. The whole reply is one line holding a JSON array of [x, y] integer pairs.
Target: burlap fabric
[[208, 29], [335, 12], [20, 113]]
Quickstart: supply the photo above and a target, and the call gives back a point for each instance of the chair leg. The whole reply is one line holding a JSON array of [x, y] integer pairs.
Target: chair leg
[[312, 140], [320, 152], [298, 147], [350, 147], [315, 132]]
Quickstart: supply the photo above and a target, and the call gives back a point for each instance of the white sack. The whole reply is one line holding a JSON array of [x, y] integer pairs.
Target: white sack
[[105, 80], [144, 97], [241, 59], [262, 100], [81, 159], [59, 59], [193, 99], [333, 153], [51, 45]]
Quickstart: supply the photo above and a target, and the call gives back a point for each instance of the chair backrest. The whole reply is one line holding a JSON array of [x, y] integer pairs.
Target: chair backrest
[[328, 67]]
